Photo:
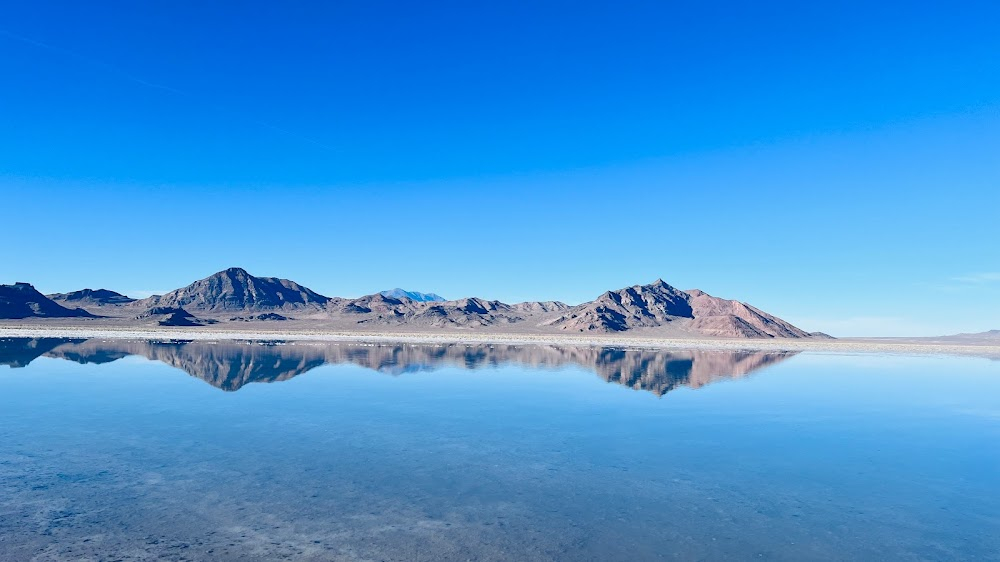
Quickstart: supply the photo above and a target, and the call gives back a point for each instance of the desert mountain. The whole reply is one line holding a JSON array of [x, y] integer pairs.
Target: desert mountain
[[661, 305], [236, 290], [641, 306], [412, 295], [91, 297], [540, 307], [728, 318], [233, 295], [21, 300]]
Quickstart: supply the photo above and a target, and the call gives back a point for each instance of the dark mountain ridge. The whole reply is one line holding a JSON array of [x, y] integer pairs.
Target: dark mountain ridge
[[21, 300], [92, 297]]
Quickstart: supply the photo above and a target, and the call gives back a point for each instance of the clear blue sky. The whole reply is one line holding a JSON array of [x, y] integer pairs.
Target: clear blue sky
[[837, 164]]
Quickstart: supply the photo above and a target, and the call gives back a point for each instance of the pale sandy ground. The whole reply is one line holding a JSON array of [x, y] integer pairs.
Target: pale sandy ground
[[854, 345]]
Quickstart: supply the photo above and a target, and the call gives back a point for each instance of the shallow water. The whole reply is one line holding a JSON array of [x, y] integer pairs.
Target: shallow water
[[108, 450]]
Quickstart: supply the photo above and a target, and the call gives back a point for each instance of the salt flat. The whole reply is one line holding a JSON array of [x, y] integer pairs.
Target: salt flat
[[854, 345]]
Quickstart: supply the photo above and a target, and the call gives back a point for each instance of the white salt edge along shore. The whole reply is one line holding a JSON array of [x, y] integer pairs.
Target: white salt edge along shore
[[856, 345]]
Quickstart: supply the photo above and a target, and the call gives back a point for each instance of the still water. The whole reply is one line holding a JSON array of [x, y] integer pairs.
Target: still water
[[135, 450]]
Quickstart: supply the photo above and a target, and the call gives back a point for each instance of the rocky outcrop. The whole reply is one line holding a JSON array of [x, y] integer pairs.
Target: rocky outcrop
[[266, 317], [171, 316]]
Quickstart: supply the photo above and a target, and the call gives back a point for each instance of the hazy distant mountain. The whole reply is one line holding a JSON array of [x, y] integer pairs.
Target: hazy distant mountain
[[398, 293], [21, 300], [987, 337], [236, 290], [989, 334], [93, 297]]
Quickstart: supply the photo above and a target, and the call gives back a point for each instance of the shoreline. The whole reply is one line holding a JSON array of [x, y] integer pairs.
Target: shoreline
[[835, 346]]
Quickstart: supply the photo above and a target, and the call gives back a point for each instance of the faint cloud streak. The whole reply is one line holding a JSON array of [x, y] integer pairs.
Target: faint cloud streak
[[979, 278]]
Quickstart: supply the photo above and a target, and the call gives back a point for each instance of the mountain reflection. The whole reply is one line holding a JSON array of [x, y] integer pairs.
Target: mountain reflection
[[231, 365]]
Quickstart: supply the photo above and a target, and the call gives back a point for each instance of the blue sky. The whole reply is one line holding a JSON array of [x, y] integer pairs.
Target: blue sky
[[837, 164]]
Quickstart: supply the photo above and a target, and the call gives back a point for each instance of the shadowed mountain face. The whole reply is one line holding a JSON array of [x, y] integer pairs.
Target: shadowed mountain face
[[236, 290], [229, 366], [92, 297], [21, 300], [641, 306]]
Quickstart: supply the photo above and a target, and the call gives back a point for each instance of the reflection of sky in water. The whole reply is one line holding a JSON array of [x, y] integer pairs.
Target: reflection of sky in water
[[807, 457]]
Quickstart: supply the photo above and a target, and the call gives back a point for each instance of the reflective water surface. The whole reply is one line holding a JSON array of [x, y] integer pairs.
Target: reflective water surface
[[308, 451]]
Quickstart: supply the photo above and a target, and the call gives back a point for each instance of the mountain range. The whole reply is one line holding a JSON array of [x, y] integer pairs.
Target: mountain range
[[234, 295]]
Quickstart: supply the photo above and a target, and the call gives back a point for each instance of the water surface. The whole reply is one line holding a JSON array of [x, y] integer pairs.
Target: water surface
[[306, 451]]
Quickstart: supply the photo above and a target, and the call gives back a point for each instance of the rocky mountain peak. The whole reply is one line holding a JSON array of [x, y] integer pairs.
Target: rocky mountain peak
[[235, 289]]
